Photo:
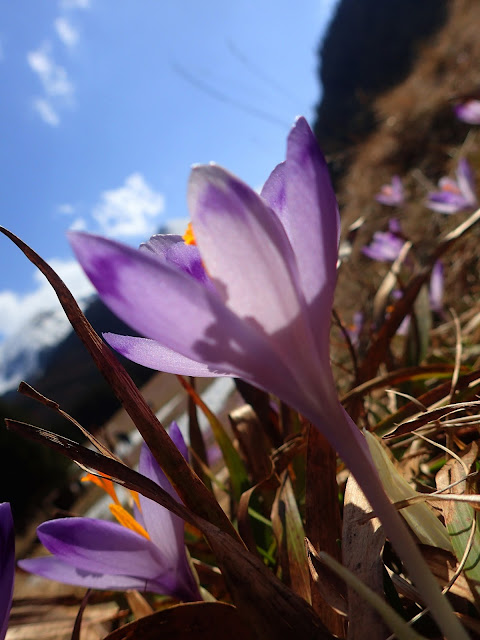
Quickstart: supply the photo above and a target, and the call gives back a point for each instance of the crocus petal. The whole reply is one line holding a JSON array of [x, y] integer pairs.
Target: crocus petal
[[164, 528], [437, 287], [466, 182], [385, 247], [177, 438], [274, 191], [55, 569], [454, 195], [152, 354], [232, 222], [7, 565], [309, 214], [173, 250], [392, 194], [444, 202], [469, 111], [100, 547], [165, 304]]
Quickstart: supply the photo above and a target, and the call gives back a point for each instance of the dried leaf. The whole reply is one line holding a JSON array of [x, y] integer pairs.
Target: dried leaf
[[328, 584], [443, 566], [391, 618], [199, 620], [288, 529], [253, 442], [362, 546], [424, 523], [323, 525]]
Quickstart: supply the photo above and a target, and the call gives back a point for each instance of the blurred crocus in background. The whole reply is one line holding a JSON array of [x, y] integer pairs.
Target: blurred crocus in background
[[392, 194], [264, 313], [146, 552], [437, 286], [7, 565], [386, 245], [454, 195], [468, 111]]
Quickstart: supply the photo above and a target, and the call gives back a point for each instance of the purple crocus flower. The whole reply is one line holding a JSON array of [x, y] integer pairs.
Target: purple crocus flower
[[386, 245], [455, 195], [392, 194], [354, 330], [106, 555], [263, 314], [7, 565], [468, 111]]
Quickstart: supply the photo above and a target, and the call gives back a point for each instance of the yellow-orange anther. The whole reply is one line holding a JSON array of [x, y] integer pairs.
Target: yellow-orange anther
[[189, 236], [104, 483], [127, 520]]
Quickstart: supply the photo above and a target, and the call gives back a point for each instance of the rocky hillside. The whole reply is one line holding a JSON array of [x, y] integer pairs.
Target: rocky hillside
[[370, 46], [409, 130]]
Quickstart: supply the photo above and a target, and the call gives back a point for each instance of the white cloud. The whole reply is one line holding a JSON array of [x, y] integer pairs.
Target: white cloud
[[66, 208], [130, 210], [65, 31], [79, 224], [16, 309], [53, 77], [46, 111]]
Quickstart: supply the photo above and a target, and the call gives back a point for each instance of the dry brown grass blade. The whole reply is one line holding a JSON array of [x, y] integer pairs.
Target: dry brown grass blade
[[466, 388], [188, 485], [458, 354], [115, 470], [27, 390], [323, 526], [430, 417], [78, 620], [362, 545], [399, 376]]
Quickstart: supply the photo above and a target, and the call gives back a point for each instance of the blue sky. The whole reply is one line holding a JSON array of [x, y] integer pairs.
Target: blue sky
[[107, 103]]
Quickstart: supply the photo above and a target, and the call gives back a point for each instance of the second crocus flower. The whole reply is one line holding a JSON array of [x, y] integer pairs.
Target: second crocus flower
[[146, 553]]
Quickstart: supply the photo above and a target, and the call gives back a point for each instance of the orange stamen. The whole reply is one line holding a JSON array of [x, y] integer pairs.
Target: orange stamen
[[450, 188], [189, 236], [128, 521], [104, 483]]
